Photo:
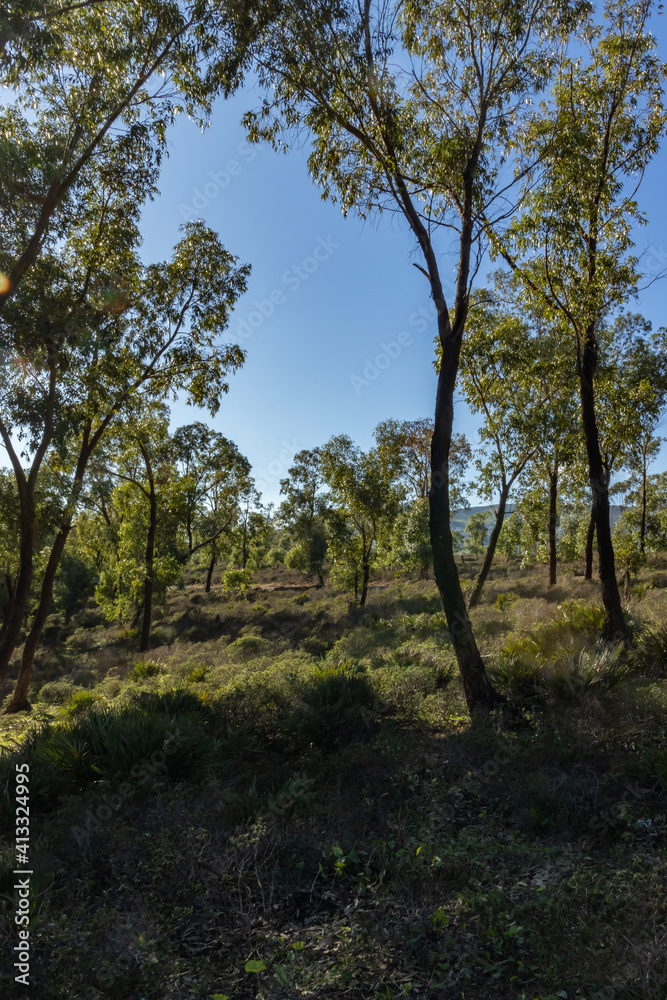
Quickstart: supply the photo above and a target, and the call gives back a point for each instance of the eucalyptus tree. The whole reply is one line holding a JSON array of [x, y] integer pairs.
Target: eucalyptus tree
[[365, 498], [215, 477], [303, 513], [150, 504], [572, 246], [497, 364], [153, 336], [409, 441], [94, 91], [412, 108]]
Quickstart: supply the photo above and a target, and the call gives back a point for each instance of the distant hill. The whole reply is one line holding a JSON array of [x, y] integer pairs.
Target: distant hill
[[460, 518]]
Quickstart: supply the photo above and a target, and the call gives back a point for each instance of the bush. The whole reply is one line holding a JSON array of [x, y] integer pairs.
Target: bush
[[333, 704], [80, 702], [145, 668], [649, 657], [235, 582], [505, 599], [56, 692], [197, 675], [247, 647], [563, 678], [113, 744]]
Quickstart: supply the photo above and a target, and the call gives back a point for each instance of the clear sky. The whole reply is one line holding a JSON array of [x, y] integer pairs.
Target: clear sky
[[331, 324]]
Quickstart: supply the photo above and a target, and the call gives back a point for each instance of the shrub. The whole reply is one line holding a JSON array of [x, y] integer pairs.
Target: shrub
[[56, 692], [197, 675], [564, 677], [505, 599], [145, 668], [333, 704], [84, 678], [80, 702], [247, 647], [113, 744], [649, 657], [235, 582], [580, 616]]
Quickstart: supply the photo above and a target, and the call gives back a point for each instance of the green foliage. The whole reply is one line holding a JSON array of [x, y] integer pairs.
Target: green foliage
[[144, 669], [563, 679], [235, 582], [649, 656], [476, 532], [55, 692], [80, 702], [75, 581], [334, 705], [411, 542]]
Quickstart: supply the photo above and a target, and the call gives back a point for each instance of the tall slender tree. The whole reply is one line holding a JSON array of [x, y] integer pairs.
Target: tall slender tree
[[572, 247], [429, 141]]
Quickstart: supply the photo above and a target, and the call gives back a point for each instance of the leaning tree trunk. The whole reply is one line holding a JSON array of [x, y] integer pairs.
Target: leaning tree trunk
[[553, 518], [19, 700], [588, 554], [611, 598], [209, 575], [480, 694], [476, 592], [150, 554]]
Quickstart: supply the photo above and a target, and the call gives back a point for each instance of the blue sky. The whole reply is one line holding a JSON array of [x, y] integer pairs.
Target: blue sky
[[328, 297]]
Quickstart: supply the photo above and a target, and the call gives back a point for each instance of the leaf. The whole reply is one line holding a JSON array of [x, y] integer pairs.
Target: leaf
[[255, 966]]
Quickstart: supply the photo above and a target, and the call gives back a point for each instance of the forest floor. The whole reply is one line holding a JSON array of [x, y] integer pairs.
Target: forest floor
[[286, 798]]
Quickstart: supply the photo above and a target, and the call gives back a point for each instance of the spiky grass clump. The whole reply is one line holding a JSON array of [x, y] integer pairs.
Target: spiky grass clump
[[109, 744], [649, 657], [333, 704]]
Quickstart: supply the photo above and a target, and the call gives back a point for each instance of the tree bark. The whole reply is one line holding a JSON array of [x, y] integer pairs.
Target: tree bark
[[642, 523], [19, 700], [150, 554], [480, 695], [209, 575], [553, 517], [364, 583], [476, 592], [588, 555], [19, 601], [614, 621]]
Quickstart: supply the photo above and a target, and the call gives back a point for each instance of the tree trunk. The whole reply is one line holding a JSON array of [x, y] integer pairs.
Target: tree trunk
[[611, 598], [553, 517], [476, 592], [642, 523], [19, 602], [627, 580], [209, 575], [150, 553], [480, 694], [364, 583], [588, 555], [19, 700]]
